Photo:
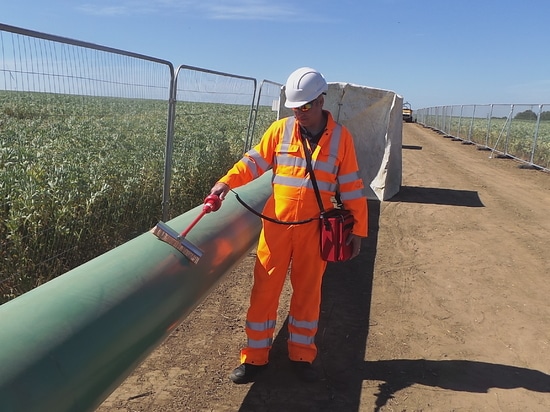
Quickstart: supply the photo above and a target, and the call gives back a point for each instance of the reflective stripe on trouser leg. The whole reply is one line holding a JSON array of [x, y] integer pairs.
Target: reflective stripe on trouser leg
[[306, 276], [269, 276]]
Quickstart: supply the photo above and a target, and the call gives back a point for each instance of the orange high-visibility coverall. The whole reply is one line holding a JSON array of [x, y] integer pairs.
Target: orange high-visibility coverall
[[298, 246]]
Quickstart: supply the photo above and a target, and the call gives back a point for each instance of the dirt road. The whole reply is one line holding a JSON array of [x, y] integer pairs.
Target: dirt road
[[447, 308]]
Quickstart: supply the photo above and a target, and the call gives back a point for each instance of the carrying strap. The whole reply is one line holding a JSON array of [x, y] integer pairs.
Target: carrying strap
[[309, 168]]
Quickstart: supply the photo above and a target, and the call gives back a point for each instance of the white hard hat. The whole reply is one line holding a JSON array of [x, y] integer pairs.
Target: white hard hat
[[303, 86]]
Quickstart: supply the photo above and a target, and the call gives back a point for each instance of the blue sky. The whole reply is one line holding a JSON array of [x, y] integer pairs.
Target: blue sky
[[432, 52]]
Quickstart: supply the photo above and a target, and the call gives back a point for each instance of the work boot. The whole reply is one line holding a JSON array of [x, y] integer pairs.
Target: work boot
[[305, 371], [246, 372]]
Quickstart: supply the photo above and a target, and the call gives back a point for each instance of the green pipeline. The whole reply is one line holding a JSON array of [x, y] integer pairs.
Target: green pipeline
[[66, 345]]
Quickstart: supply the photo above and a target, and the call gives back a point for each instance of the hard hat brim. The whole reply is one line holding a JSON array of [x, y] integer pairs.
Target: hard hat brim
[[292, 105]]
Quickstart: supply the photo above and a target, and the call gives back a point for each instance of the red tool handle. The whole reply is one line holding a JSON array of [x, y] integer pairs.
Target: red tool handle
[[211, 204]]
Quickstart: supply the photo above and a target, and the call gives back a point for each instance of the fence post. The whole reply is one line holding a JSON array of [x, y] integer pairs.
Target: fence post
[[532, 159], [512, 107], [169, 148], [251, 119], [460, 121], [489, 126], [472, 124], [451, 128]]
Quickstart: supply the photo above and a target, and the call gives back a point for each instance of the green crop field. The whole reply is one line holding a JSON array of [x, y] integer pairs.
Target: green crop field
[[80, 175]]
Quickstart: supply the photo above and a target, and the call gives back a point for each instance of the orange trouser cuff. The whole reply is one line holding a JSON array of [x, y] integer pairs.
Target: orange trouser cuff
[[255, 356]]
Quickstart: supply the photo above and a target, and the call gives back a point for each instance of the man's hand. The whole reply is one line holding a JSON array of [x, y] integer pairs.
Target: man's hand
[[219, 189], [356, 244]]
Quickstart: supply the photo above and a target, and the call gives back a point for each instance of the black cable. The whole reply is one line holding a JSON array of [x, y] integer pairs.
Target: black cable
[[270, 219]]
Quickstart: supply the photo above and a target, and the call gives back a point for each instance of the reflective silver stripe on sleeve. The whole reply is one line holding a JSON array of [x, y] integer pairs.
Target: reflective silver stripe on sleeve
[[253, 160], [252, 166], [259, 344], [261, 326], [355, 194], [350, 177], [302, 339], [303, 323], [253, 153]]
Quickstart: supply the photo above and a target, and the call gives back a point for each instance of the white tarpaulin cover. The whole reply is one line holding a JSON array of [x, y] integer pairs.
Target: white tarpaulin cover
[[375, 119]]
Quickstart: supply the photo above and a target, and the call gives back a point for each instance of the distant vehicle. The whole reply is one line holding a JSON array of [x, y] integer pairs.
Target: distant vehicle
[[407, 113]]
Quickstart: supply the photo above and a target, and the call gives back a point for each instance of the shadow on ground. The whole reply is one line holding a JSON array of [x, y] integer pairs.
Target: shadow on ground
[[342, 340], [411, 147], [437, 196], [456, 375]]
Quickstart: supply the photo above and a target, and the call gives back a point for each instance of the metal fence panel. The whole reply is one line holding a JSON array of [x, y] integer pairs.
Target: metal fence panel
[[519, 131], [266, 111], [212, 124], [541, 147], [82, 132], [96, 143]]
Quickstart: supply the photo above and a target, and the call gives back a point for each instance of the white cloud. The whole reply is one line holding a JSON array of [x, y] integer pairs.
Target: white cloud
[[209, 9], [103, 10], [250, 10]]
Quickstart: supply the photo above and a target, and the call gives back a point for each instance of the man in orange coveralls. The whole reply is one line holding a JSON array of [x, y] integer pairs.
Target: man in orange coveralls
[[335, 166]]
